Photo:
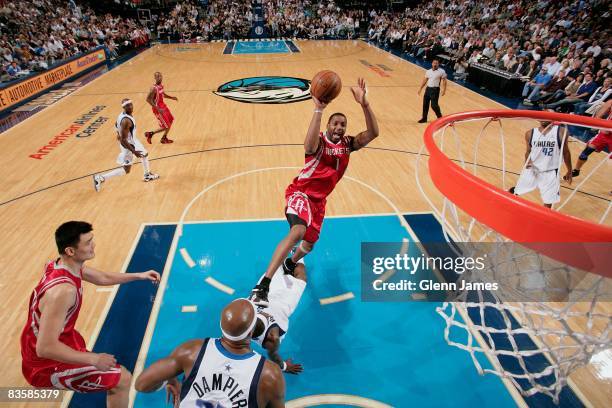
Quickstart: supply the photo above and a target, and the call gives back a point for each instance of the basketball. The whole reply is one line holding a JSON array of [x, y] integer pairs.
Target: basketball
[[325, 86]]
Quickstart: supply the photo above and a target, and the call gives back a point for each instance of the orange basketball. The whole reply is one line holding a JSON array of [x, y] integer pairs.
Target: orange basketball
[[325, 86]]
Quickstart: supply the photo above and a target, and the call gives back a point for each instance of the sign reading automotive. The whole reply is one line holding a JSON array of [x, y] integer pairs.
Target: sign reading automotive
[[14, 94]]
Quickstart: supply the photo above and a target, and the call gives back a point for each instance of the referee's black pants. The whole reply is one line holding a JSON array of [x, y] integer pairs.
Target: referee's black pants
[[431, 95]]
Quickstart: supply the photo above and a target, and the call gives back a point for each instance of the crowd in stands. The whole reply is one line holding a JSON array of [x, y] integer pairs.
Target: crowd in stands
[[561, 48], [227, 20], [219, 20], [37, 34], [313, 20]]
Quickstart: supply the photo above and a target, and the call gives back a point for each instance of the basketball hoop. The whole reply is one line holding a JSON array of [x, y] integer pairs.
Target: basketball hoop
[[553, 267]]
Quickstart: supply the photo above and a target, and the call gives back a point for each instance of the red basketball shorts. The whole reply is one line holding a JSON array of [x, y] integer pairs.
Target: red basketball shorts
[[73, 377], [309, 211], [601, 141], [164, 117]]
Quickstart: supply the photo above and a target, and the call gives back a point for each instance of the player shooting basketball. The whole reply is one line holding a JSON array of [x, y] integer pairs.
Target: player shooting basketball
[[326, 160]]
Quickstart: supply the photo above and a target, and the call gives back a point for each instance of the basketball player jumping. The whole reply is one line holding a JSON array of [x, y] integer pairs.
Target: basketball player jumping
[[129, 146], [327, 157], [221, 372], [54, 354], [542, 157], [160, 110], [273, 321]]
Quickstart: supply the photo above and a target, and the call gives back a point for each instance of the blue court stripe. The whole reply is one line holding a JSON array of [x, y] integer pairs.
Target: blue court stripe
[[126, 322], [229, 47], [292, 46], [429, 231]]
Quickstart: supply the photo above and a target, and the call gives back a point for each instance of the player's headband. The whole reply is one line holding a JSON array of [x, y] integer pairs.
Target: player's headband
[[247, 332], [126, 103]]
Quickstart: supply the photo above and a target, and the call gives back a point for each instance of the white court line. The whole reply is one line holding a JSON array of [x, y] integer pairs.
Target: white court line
[[222, 287], [109, 303], [335, 399], [189, 309], [187, 258], [106, 289], [336, 299]]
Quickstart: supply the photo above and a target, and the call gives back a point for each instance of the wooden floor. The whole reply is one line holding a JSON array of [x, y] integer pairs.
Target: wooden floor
[[215, 138]]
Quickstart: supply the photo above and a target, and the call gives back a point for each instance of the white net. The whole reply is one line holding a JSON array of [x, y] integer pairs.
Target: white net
[[545, 318]]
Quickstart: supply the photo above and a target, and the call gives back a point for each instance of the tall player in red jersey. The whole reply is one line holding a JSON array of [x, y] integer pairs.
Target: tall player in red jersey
[[53, 353], [160, 110], [327, 157]]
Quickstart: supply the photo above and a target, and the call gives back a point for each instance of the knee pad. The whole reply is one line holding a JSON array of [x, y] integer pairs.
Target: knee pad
[[585, 153]]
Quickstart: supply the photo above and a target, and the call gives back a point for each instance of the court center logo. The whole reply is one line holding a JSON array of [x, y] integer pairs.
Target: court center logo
[[266, 89]]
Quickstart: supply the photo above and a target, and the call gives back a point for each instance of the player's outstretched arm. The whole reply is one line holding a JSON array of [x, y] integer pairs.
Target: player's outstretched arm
[[311, 143], [170, 97], [272, 345], [54, 308], [102, 278], [371, 133], [181, 360]]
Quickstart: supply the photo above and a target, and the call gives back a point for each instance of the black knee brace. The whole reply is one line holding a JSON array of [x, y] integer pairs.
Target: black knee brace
[[585, 153]]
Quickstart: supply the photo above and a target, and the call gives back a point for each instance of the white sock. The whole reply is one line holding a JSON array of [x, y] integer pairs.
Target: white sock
[[113, 173], [145, 165]]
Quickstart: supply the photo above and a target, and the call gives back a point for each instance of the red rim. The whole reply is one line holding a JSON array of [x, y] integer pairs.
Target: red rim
[[514, 217]]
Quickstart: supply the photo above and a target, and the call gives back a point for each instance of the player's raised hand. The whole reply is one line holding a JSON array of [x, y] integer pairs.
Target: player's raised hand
[[359, 92], [318, 104], [104, 362], [150, 275], [293, 368]]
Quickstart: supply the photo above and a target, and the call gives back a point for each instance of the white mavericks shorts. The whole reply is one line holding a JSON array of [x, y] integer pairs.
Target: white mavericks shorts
[[546, 181], [126, 158]]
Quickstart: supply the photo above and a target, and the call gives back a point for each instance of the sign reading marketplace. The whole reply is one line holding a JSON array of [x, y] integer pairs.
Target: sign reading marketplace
[[31, 86]]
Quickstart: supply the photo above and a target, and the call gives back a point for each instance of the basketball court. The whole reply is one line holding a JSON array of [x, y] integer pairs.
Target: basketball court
[[212, 220]]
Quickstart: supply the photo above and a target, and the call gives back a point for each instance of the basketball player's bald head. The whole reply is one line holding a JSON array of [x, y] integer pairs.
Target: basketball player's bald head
[[158, 77], [237, 318], [127, 105]]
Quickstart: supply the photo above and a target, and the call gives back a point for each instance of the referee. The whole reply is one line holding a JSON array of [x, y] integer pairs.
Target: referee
[[434, 77]]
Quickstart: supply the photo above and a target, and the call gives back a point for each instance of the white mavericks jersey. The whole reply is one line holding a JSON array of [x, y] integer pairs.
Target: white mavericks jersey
[[284, 297], [545, 149], [269, 320], [222, 379], [132, 130]]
